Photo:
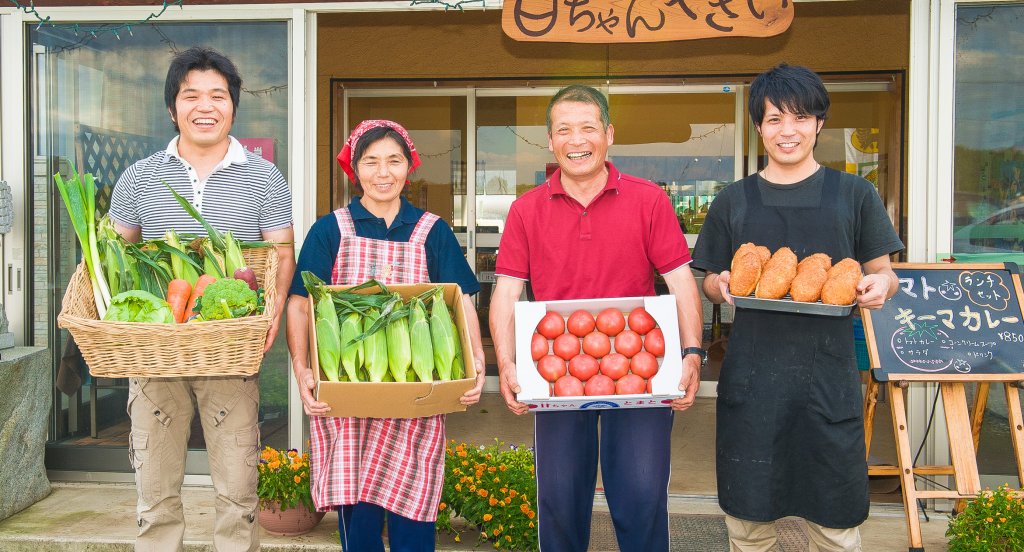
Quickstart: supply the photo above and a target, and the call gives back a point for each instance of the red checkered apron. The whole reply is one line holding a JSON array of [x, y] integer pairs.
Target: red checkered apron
[[395, 463]]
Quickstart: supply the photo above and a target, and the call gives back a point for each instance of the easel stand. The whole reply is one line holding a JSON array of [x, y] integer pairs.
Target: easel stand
[[962, 428]]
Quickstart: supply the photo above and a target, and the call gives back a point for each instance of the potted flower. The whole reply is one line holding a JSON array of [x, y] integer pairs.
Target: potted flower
[[286, 505], [991, 522], [492, 488]]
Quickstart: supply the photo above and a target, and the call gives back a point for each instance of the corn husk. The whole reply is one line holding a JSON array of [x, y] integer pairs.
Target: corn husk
[[375, 347], [399, 353], [420, 341], [442, 336], [352, 354]]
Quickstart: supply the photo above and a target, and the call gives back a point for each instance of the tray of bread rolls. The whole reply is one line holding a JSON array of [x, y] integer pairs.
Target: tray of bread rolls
[[760, 279]]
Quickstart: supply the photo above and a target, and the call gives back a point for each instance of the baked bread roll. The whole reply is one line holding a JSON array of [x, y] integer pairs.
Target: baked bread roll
[[818, 259], [745, 272], [777, 275], [807, 285], [841, 286]]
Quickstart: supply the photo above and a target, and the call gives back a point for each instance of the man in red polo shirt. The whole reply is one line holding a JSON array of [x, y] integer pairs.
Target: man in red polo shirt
[[590, 231]]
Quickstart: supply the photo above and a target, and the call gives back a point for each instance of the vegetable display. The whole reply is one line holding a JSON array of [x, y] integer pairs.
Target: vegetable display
[[597, 355], [380, 337], [175, 269]]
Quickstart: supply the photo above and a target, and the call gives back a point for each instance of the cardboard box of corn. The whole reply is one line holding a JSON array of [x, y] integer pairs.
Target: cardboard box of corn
[[397, 351]]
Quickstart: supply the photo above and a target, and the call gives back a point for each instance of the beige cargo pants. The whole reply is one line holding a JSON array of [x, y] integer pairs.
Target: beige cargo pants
[[161, 411], [752, 536]]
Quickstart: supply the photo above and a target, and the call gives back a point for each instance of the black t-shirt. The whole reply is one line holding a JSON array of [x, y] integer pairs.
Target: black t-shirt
[[867, 231]]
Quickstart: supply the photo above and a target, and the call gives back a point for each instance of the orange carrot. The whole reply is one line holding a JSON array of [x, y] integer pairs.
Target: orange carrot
[[201, 284], [178, 292]]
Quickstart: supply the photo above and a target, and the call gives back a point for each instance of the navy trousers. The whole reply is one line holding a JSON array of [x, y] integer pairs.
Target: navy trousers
[[360, 526], [634, 449]]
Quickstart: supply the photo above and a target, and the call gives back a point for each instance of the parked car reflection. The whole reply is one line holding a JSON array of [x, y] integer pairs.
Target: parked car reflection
[[999, 232]]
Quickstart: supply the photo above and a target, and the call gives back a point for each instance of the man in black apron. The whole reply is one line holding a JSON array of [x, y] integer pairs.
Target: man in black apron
[[790, 437]]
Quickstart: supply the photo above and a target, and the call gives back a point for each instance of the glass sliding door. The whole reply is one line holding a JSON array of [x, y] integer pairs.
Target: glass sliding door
[[96, 104], [987, 215]]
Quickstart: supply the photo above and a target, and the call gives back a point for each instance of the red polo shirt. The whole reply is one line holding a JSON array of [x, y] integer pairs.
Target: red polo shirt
[[609, 248]]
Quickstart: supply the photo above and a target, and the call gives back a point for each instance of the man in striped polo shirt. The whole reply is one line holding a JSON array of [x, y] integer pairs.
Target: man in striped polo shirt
[[236, 191]]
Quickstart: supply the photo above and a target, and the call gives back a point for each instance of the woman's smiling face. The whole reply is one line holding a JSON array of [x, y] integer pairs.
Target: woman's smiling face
[[382, 171]]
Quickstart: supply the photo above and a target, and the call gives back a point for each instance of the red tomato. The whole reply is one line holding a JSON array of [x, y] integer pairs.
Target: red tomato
[[644, 365], [630, 384], [568, 386], [538, 346], [566, 346], [610, 322], [551, 326], [599, 385], [583, 367], [641, 321], [628, 343], [649, 386], [580, 323], [615, 366], [596, 344], [551, 367], [654, 342]]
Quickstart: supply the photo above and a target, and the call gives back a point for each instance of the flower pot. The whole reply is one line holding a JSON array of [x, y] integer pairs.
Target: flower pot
[[288, 523]]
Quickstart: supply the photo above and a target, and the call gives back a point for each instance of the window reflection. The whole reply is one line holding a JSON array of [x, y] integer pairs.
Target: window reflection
[[988, 136], [97, 104]]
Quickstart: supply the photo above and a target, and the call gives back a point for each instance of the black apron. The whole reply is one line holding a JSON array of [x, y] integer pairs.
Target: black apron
[[790, 436]]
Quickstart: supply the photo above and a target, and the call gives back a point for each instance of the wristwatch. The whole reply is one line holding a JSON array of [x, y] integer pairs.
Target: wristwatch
[[697, 351]]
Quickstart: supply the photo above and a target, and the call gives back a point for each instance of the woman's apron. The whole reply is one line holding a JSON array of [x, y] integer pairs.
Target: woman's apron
[[790, 435], [395, 463]]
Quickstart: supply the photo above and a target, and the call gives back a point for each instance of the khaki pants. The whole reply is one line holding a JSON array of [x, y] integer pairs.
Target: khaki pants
[[161, 411], [752, 536]]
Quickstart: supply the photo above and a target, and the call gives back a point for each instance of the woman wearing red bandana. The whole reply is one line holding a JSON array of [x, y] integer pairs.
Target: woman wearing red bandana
[[372, 469]]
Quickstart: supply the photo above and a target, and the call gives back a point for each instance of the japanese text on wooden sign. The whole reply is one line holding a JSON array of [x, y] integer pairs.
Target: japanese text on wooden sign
[[616, 21]]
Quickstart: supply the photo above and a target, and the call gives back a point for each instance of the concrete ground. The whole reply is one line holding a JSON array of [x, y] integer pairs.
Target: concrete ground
[[101, 516]]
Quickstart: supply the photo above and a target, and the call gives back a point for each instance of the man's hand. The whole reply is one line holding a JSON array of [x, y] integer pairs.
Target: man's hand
[[275, 325], [473, 395], [723, 286], [872, 291], [689, 383], [509, 386], [313, 407]]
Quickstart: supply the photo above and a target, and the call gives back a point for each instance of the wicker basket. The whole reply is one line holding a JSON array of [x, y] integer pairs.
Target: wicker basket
[[134, 349]]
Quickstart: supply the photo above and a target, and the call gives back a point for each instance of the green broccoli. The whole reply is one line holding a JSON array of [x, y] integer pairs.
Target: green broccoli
[[227, 298]]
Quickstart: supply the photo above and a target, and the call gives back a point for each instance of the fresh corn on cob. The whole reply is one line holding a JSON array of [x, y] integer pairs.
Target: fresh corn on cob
[[399, 353], [375, 348], [458, 368], [352, 354], [419, 340], [441, 336], [328, 335]]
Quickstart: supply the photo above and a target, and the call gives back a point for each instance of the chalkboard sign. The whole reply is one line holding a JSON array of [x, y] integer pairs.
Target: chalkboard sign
[[949, 322]]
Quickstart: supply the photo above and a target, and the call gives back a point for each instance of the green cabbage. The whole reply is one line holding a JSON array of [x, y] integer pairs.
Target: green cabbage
[[139, 306]]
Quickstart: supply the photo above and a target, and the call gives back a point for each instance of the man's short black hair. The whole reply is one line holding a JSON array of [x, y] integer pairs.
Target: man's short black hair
[[583, 94], [791, 88], [200, 58], [372, 136]]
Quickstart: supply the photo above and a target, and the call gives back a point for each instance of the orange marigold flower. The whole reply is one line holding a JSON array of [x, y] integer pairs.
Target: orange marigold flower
[[513, 493], [482, 492], [496, 532], [503, 467], [465, 462], [508, 500], [442, 506], [462, 453], [488, 517], [989, 519], [293, 453], [458, 487], [504, 490], [492, 501], [497, 480], [274, 465], [524, 508], [297, 479], [531, 514], [492, 469]]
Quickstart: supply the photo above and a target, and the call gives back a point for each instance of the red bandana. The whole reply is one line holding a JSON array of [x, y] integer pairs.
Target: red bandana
[[345, 157]]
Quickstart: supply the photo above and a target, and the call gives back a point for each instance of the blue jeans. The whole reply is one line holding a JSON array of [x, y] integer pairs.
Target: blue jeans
[[634, 449], [360, 526]]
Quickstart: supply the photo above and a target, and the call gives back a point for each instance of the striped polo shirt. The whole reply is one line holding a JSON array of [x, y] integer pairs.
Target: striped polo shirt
[[245, 194]]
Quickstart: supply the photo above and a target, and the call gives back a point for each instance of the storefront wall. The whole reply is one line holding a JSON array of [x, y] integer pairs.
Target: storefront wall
[[863, 38]]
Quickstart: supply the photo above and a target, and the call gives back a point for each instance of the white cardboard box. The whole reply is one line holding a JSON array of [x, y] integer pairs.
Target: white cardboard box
[[536, 391]]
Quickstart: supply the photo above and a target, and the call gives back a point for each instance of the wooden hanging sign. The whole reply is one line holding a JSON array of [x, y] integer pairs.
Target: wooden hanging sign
[[626, 21]]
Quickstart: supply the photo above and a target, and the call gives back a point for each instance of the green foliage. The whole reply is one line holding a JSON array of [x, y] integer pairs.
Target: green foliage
[[284, 478], [493, 488], [992, 522]]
